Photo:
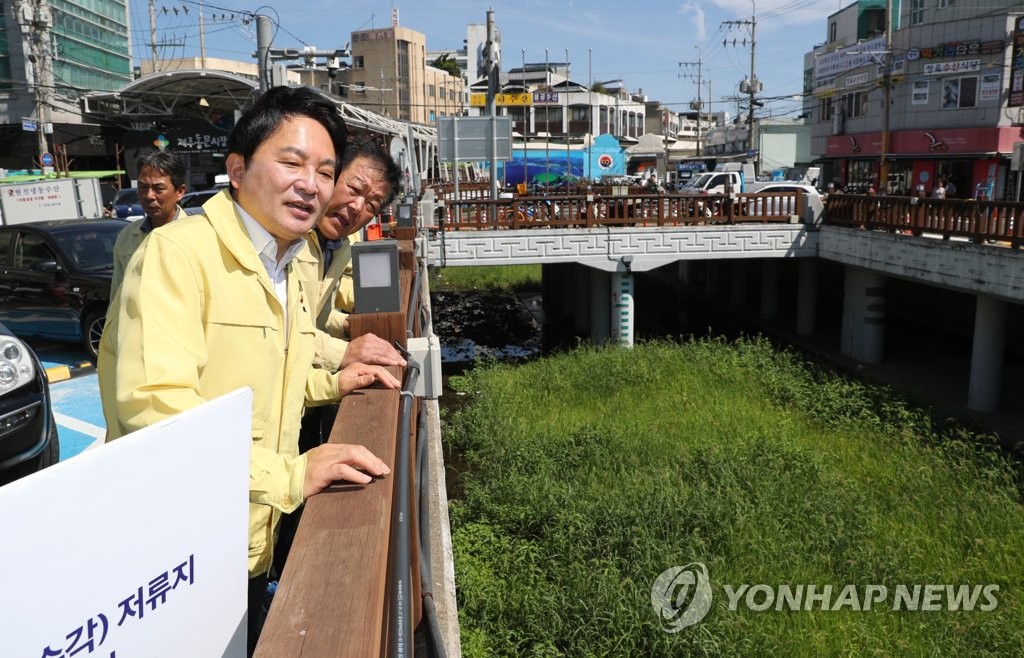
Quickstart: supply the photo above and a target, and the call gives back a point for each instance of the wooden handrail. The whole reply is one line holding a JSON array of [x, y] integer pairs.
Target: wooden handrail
[[332, 599]]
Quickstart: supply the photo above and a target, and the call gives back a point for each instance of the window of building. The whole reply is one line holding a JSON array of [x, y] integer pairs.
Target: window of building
[[358, 62], [433, 116], [959, 93], [832, 32], [916, 12], [359, 88], [826, 110], [430, 91], [946, 3], [451, 94]]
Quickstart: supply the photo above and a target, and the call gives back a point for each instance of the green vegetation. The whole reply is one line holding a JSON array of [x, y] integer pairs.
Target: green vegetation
[[447, 63], [588, 474], [503, 277]]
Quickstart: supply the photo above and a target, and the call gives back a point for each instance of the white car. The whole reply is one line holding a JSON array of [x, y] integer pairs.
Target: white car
[[768, 200]]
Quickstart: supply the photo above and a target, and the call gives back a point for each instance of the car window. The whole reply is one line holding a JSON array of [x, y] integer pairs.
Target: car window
[[6, 238], [91, 250], [127, 196], [31, 249]]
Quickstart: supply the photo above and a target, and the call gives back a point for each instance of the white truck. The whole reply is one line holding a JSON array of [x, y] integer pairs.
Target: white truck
[[726, 178], [50, 198]]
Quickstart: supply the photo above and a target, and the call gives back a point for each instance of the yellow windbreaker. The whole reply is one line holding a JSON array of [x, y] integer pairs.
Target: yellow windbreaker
[[196, 317]]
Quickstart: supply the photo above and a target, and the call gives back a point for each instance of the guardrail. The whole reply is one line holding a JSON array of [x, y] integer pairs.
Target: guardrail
[[352, 582], [977, 220], [632, 209]]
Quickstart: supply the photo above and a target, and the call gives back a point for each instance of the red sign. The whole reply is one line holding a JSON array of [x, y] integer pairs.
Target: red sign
[[925, 142]]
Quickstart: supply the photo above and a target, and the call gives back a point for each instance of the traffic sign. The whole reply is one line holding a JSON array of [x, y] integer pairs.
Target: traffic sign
[[46, 159]]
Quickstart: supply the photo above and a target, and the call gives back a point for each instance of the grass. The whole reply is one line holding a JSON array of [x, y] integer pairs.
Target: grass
[[504, 277], [590, 473]]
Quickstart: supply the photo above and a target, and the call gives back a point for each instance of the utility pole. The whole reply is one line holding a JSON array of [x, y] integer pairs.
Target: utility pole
[[695, 105], [753, 85], [35, 20], [202, 38], [883, 164], [152, 34], [493, 55]]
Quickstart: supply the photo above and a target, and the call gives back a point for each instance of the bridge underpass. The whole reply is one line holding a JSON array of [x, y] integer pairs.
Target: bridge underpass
[[589, 284]]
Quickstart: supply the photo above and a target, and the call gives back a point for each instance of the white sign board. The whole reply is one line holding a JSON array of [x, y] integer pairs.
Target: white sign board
[[471, 138], [136, 549], [58, 198]]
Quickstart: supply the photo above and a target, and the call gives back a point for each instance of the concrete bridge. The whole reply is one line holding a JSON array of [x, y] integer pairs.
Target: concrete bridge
[[591, 246]]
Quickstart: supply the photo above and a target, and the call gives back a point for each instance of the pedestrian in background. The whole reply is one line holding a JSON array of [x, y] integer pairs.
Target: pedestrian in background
[[161, 184]]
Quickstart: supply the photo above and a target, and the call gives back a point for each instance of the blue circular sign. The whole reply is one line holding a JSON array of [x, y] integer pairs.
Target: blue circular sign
[[46, 159]]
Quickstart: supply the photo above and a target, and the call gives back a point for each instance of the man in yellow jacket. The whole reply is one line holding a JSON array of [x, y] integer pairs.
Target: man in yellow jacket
[[214, 302], [368, 183]]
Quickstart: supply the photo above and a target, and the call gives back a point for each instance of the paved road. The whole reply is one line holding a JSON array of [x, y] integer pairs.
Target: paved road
[[76, 398]]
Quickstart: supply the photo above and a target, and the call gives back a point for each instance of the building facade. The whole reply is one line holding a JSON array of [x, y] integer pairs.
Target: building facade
[[944, 98], [51, 53], [390, 75]]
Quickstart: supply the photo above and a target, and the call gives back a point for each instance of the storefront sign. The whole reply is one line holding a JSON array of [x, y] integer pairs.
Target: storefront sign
[[911, 143], [855, 80], [957, 49], [946, 68], [1016, 98], [919, 93], [991, 86], [545, 97], [847, 59]]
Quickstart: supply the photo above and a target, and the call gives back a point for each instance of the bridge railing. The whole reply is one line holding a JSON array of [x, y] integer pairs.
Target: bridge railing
[[977, 220], [632, 209], [352, 583]]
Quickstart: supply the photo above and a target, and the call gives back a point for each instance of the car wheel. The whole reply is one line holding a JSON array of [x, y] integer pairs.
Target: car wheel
[[51, 454], [92, 331], [48, 457]]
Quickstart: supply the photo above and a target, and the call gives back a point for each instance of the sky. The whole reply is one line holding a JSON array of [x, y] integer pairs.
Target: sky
[[653, 47]]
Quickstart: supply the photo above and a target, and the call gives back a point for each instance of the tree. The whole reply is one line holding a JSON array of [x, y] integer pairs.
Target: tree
[[447, 63]]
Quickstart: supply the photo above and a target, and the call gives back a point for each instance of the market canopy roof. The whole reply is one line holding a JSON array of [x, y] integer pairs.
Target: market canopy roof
[[204, 93]]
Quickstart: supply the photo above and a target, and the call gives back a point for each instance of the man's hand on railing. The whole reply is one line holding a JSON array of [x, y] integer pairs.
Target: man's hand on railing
[[361, 375], [331, 462], [373, 350]]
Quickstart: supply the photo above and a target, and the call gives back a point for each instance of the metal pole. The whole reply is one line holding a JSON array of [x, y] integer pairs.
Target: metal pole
[[526, 120], [455, 167], [264, 37], [568, 158], [547, 118], [699, 105], [492, 105], [590, 113], [753, 78]]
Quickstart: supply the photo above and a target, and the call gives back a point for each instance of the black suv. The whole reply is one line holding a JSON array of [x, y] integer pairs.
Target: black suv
[[55, 278], [28, 434]]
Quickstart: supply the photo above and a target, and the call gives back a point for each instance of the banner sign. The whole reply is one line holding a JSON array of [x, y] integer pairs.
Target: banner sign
[[137, 548]]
